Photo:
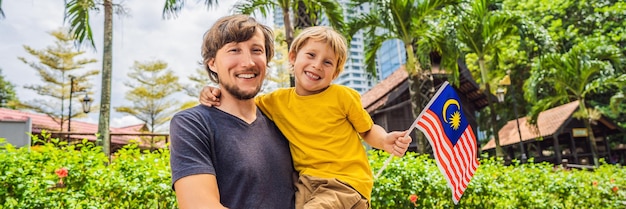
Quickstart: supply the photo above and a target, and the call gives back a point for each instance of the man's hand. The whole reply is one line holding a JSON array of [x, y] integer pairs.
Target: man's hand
[[210, 96]]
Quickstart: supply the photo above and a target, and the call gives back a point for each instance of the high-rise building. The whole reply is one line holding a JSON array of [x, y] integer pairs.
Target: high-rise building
[[389, 58]]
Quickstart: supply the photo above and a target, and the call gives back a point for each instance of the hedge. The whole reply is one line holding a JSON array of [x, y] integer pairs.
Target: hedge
[[60, 175]]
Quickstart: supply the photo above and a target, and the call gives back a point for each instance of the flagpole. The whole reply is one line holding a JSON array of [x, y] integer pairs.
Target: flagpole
[[391, 156], [412, 127]]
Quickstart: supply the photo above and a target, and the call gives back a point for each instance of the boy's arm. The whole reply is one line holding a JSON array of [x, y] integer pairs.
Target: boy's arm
[[210, 96], [393, 142]]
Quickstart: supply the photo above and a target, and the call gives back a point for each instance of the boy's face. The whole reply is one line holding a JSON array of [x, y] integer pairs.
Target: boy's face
[[314, 67], [241, 67]]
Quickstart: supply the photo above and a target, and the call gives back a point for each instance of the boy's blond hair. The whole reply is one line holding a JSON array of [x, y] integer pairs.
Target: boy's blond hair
[[327, 35]]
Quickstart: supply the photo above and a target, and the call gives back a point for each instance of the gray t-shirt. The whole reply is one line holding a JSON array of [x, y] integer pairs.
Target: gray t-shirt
[[251, 162]]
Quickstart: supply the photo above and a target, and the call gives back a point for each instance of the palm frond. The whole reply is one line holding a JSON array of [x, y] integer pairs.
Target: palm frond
[[173, 7], [77, 14], [249, 7]]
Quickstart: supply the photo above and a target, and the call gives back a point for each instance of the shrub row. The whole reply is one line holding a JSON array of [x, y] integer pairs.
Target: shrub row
[[58, 175]]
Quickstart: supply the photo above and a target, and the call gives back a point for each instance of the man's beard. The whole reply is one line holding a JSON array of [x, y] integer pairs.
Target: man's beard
[[239, 94]]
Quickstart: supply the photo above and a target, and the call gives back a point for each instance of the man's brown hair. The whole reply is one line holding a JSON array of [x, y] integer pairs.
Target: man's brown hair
[[229, 29]]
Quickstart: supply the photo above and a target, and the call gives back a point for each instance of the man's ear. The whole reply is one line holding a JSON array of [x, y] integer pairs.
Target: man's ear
[[211, 65]]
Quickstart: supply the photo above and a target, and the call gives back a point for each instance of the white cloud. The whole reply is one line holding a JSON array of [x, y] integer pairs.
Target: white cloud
[[124, 121], [142, 35]]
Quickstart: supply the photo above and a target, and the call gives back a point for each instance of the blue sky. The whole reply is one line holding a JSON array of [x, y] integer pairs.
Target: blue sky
[[141, 35]]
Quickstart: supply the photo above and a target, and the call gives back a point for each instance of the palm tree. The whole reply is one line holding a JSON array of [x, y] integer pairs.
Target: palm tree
[[312, 10], [77, 14], [307, 14], [410, 21], [588, 68], [480, 31]]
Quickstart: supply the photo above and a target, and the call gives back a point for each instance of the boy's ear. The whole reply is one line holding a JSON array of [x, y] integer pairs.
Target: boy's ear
[[292, 57]]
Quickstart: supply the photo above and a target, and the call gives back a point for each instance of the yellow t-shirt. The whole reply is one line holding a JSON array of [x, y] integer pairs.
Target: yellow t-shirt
[[323, 133]]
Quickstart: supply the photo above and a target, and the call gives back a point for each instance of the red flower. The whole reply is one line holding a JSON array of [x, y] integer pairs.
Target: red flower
[[413, 199], [61, 172], [615, 189], [595, 183]]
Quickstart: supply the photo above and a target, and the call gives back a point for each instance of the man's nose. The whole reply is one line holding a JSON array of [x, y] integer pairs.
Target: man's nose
[[248, 60]]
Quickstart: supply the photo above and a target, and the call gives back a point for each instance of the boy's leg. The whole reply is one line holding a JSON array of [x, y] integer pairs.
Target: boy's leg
[[314, 193]]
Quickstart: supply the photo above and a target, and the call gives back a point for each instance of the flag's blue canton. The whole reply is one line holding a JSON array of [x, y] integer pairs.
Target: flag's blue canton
[[448, 103]]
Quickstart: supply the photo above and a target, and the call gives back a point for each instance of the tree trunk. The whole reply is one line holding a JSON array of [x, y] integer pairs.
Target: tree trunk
[[107, 68], [416, 101], [303, 18], [483, 73], [591, 136]]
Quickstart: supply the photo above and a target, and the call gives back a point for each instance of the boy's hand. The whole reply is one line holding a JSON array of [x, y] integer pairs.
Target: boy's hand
[[396, 144], [210, 96]]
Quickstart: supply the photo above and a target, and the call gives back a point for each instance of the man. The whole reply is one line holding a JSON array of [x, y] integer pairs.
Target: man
[[232, 156]]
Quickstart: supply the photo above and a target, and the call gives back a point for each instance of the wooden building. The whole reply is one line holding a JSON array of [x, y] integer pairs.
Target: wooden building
[[389, 104], [560, 136]]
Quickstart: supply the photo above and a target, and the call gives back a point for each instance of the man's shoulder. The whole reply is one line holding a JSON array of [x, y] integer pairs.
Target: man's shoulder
[[198, 110]]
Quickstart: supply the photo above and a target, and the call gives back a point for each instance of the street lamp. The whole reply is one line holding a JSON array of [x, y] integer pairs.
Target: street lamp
[[503, 85], [86, 103]]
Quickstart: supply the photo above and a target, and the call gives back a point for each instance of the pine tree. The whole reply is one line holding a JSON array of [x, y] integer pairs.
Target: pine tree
[[55, 65], [152, 88]]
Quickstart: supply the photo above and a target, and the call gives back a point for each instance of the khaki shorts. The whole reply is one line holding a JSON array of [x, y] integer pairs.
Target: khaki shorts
[[317, 193]]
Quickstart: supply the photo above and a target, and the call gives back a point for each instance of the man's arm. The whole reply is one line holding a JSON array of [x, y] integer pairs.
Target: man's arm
[[392, 142], [197, 191]]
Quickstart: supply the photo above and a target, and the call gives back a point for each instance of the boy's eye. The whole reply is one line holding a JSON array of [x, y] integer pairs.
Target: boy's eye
[[233, 50], [310, 54]]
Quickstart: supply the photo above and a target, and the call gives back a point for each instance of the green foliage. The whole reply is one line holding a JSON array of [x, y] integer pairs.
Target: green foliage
[[141, 179], [7, 92], [494, 185], [133, 179]]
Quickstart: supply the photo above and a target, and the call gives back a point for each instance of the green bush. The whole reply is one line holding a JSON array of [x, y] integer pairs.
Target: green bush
[[141, 179], [133, 179], [532, 185]]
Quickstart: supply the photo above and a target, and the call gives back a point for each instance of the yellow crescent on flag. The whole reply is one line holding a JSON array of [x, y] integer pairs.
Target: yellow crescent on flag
[[445, 107]]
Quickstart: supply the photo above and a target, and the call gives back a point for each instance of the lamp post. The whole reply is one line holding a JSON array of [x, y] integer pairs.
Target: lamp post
[[86, 103], [504, 84]]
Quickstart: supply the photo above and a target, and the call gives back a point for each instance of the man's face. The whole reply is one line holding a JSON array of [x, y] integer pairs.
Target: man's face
[[241, 67]]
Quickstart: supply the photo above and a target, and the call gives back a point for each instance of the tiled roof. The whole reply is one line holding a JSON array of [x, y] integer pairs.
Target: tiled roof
[[377, 96], [44, 122], [548, 123]]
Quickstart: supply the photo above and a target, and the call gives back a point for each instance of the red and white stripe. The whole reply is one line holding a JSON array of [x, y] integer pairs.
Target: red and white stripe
[[459, 162]]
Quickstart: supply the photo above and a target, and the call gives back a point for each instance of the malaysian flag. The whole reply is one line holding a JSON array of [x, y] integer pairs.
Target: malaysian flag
[[451, 137]]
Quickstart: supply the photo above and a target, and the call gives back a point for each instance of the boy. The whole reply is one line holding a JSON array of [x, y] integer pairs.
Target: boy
[[323, 122]]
